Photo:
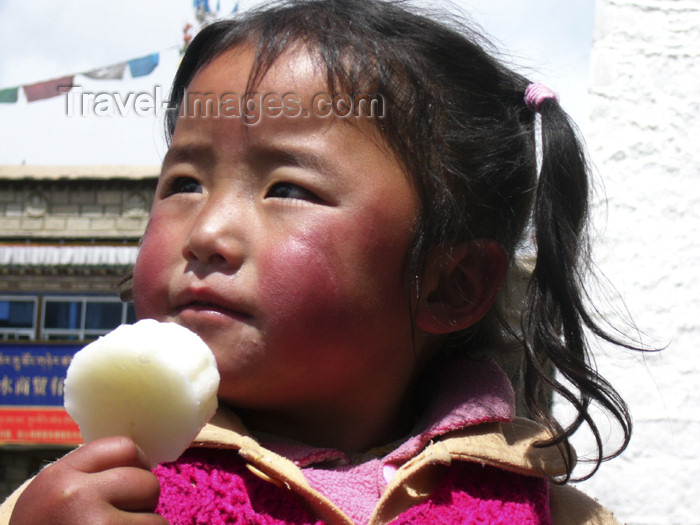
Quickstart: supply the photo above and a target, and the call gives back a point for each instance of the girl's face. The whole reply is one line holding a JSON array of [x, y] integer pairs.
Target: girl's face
[[282, 243]]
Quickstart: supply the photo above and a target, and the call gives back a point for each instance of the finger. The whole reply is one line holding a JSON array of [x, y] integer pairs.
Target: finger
[[129, 488], [108, 453]]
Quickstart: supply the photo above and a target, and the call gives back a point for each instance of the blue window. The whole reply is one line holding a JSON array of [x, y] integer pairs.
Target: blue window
[[77, 318], [17, 317]]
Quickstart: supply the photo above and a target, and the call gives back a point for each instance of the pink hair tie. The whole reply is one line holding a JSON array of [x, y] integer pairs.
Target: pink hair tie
[[537, 93]]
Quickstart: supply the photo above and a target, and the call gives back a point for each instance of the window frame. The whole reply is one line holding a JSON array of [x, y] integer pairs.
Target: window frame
[[81, 333], [20, 333]]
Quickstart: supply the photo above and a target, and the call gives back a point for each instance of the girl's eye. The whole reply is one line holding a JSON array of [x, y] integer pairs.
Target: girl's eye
[[287, 190], [184, 185]]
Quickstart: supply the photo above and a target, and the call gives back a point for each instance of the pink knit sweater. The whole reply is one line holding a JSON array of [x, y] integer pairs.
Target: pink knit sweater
[[213, 487], [210, 486]]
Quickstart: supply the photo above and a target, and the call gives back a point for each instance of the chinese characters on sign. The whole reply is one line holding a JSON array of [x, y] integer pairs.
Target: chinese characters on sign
[[31, 394], [33, 378]]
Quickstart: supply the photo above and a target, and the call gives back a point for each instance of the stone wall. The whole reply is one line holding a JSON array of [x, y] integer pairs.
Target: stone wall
[[53, 206]]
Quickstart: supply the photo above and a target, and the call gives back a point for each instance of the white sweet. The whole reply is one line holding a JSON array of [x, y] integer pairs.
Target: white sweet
[[153, 382]]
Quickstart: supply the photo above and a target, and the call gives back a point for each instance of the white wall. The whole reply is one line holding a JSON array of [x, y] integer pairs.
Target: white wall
[[644, 138]]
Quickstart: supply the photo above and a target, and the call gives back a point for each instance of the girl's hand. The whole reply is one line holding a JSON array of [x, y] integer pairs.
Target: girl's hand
[[105, 482]]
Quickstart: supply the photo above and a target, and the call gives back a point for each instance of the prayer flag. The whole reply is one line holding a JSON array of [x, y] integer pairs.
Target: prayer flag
[[8, 95], [113, 72], [202, 4], [48, 89], [143, 66]]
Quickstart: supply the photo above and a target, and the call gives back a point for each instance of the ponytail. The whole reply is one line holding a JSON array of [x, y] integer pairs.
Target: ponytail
[[556, 315]]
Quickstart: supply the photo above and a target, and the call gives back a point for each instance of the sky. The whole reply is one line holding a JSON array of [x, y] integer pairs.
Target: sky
[[549, 40]]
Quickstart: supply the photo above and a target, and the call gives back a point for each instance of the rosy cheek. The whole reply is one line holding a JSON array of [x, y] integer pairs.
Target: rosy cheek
[[147, 270], [300, 284]]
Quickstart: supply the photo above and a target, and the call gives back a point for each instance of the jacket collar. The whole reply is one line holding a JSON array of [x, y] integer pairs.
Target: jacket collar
[[470, 393], [511, 446]]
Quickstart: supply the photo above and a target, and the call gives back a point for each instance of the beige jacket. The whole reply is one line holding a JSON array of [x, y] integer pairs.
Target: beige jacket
[[506, 446]]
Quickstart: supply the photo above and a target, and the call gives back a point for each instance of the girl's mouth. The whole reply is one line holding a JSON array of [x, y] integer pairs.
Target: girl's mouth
[[203, 302]]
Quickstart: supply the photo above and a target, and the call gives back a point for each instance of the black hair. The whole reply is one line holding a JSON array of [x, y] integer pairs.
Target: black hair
[[456, 118]]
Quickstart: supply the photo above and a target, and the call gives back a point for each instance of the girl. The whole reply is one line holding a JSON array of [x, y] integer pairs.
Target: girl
[[338, 216]]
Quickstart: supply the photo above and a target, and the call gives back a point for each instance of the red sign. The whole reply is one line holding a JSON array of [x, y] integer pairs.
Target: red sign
[[51, 426]]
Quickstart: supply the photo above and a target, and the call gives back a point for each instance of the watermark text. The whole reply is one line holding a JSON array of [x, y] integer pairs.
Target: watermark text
[[250, 108]]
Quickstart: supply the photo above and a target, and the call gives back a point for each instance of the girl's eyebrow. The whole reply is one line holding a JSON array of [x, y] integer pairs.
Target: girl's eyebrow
[[292, 156], [199, 154]]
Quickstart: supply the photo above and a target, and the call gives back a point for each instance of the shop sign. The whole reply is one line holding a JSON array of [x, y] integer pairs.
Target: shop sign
[[31, 394]]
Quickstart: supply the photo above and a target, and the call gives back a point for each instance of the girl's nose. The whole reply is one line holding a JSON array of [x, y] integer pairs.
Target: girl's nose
[[215, 238]]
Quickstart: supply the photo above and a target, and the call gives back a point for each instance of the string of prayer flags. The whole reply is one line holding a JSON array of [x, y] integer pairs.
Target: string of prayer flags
[[48, 89], [138, 67]]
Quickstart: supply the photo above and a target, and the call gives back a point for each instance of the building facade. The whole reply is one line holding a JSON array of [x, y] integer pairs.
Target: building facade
[[68, 236]]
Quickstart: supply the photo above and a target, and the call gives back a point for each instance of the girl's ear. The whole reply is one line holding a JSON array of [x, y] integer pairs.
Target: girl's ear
[[459, 286]]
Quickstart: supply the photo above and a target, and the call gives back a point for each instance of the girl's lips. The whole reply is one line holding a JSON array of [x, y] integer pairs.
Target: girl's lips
[[204, 301], [206, 307], [201, 317]]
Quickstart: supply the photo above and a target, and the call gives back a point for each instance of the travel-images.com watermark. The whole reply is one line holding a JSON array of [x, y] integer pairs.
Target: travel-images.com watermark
[[251, 108]]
